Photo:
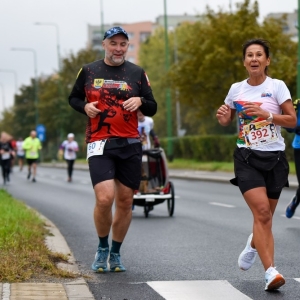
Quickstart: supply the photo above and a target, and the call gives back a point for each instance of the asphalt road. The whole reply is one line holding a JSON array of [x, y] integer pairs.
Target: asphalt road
[[168, 257]]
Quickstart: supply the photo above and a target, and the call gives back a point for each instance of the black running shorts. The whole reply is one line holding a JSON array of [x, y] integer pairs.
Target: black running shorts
[[248, 178], [30, 161], [123, 164]]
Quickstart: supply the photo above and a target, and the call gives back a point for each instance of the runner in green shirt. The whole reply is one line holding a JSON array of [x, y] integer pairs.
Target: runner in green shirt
[[32, 145]]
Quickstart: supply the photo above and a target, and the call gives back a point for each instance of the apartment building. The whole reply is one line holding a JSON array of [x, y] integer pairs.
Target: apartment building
[[292, 23], [138, 32]]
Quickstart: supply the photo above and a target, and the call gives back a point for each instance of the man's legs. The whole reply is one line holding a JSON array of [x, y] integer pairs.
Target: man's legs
[[70, 163], [123, 213], [104, 192], [29, 163], [34, 166]]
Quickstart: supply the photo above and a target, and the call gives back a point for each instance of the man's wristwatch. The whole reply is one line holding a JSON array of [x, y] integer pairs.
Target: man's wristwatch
[[270, 118], [143, 100]]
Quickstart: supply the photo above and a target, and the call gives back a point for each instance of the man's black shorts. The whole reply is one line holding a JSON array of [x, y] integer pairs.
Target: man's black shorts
[[248, 177], [30, 161], [122, 163]]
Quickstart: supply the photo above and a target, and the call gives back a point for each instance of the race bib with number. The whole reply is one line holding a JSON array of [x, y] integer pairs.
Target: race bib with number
[[95, 148], [5, 155], [259, 134]]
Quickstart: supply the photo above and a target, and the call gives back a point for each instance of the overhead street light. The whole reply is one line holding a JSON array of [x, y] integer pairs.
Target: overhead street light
[[57, 40], [15, 76], [35, 80]]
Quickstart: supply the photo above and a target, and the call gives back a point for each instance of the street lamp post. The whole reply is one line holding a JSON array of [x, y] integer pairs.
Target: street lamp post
[[15, 76], [168, 92], [35, 80], [101, 20], [60, 86], [3, 96]]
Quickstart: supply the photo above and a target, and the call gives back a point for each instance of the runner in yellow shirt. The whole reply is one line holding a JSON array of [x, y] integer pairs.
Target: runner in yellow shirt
[[32, 145]]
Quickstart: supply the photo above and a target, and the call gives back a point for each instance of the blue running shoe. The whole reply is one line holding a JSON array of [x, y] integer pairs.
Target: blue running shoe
[[290, 210], [100, 263], [115, 263]]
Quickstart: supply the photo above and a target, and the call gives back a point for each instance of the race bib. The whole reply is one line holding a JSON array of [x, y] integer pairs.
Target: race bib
[[95, 148], [5, 155], [259, 134]]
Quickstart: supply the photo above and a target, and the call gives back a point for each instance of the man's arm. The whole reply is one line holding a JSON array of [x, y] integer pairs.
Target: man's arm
[[77, 96], [149, 105]]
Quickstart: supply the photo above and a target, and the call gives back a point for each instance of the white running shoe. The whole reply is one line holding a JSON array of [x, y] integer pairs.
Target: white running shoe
[[248, 255], [274, 280]]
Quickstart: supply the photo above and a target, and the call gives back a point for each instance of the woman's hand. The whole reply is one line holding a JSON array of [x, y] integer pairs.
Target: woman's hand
[[224, 114], [254, 109]]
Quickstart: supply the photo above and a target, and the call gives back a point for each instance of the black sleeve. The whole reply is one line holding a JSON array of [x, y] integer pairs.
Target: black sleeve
[[149, 106], [77, 96]]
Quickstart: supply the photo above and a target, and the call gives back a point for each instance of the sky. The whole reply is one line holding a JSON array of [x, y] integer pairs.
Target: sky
[[70, 19]]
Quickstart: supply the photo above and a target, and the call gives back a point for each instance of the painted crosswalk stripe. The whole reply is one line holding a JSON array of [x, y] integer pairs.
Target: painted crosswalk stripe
[[200, 290], [221, 204]]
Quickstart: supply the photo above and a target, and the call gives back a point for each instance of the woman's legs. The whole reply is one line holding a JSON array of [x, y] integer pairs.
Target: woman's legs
[[262, 210]]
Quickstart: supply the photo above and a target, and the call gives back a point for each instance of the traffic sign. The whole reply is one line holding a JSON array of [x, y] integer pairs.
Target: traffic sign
[[41, 132]]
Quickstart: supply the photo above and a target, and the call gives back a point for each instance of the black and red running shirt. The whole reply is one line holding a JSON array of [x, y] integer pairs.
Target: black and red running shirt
[[111, 86]]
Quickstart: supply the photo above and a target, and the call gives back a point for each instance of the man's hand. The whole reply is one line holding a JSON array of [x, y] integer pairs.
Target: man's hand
[[91, 109], [132, 104]]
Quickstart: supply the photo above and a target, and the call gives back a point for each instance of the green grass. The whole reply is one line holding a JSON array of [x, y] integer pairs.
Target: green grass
[[23, 252]]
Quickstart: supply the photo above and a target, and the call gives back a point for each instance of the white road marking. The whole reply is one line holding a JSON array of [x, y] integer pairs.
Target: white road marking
[[200, 290], [222, 204], [297, 279]]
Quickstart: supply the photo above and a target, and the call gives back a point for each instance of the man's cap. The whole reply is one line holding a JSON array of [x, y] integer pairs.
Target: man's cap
[[71, 135], [113, 31]]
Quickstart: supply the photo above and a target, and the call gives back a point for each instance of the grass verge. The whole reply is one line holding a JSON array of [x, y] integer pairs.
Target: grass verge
[[23, 252]]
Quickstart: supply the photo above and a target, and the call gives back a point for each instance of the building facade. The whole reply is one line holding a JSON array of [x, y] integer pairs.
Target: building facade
[[138, 32], [291, 26]]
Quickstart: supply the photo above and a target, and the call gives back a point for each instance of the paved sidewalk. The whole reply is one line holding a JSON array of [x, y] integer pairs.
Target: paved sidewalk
[[71, 290]]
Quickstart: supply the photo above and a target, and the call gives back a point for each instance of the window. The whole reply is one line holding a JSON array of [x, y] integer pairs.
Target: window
[[131, 59], [130, 35], [144, 36], [131, 47]]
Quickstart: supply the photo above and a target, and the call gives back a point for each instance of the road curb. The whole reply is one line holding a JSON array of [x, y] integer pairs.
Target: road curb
[[77, 289]]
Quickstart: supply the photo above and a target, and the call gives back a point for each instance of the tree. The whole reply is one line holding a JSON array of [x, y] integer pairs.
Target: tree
[[210, 60]]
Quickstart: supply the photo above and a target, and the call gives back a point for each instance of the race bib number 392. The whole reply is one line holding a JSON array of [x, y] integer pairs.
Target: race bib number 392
[[95, 148], [259, 134]]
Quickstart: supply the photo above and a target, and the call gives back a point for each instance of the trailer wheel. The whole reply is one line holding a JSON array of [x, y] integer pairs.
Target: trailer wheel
[[171, 201], [146, 211]]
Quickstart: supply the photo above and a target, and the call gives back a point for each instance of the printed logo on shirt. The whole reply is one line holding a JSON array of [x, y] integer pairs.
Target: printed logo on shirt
[[98, 83], [266, 94], [111, 84]]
